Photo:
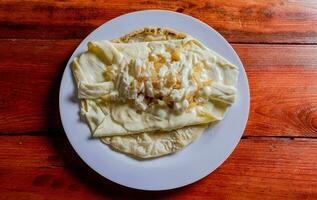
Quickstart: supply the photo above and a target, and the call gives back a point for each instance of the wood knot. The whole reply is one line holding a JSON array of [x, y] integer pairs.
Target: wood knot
[[48, 179], [313, 122], [180, 10], [267, 13], [42, 179], [57, 183]]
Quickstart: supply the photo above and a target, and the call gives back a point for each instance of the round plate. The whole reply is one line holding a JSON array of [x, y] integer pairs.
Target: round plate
[[179, 169]]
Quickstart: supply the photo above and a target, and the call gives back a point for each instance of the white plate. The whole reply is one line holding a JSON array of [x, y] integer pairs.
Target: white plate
[[179, 169]]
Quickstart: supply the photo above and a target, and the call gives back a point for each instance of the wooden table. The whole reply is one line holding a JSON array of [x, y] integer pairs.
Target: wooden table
[[275, 39]]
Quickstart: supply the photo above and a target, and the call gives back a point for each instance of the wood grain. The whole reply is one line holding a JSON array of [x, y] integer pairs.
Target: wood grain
[[273, 21], [282, 83], [30, 75], [283, 89], [47, 168], [276, 158]]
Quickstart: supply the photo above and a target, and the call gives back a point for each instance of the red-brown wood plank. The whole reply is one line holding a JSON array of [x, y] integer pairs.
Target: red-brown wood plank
[[283, 89], [47, 168], [273, 21], [282, 83], [30, 75]]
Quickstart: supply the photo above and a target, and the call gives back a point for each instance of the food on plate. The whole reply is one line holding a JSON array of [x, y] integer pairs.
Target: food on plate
[[149, 145], [152, 91]]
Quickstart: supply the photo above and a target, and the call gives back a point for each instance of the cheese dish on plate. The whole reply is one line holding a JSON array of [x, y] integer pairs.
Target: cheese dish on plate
[[153, 91], [154, 100]]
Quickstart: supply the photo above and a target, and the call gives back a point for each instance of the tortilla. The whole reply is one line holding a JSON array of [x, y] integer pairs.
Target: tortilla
[[151, 143]]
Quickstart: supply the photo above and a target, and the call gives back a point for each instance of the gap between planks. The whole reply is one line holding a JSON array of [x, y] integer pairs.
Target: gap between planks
[[62, 134], [234, 43]]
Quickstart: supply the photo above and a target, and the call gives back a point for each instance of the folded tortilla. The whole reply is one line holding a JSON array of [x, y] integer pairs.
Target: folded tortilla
[[147, 134]]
